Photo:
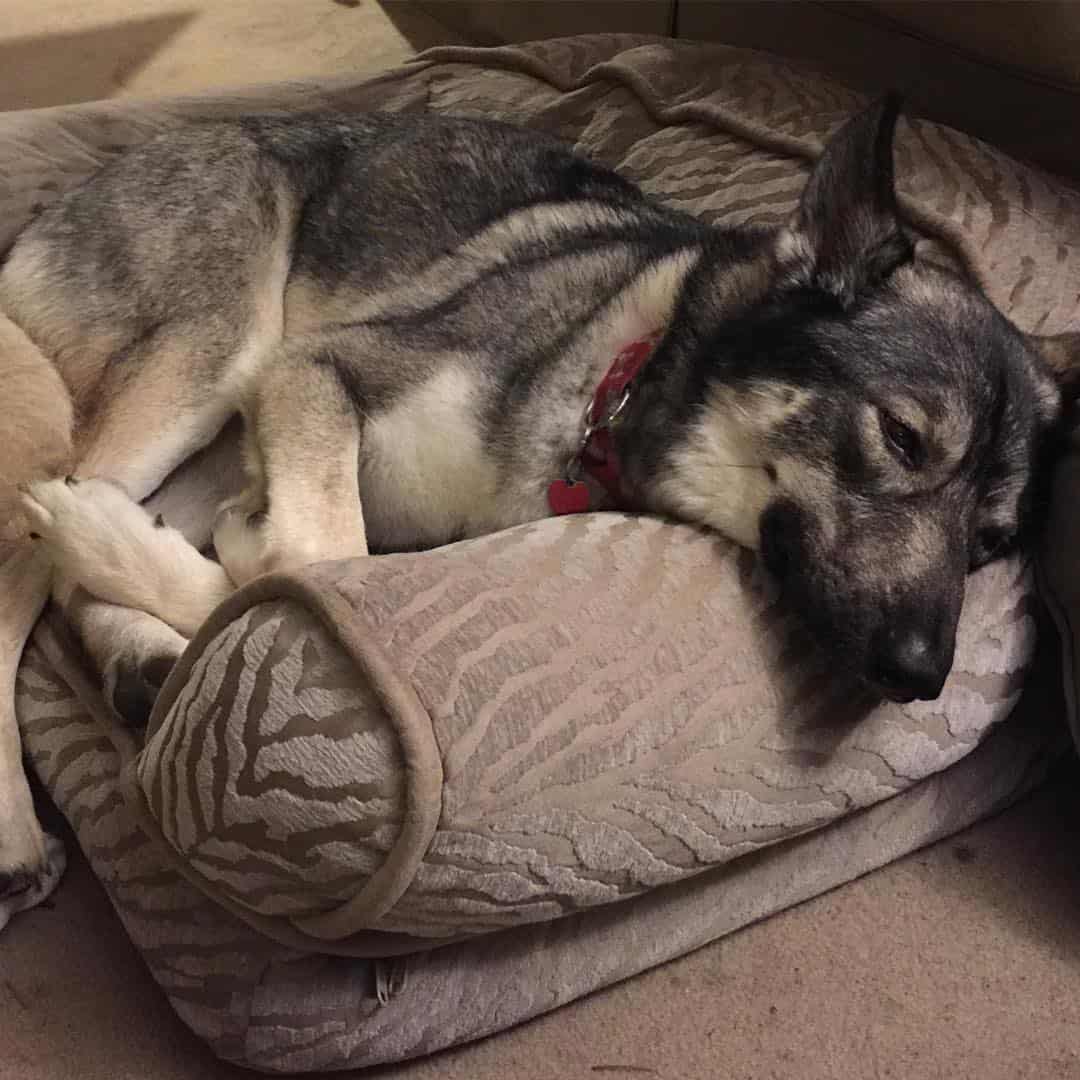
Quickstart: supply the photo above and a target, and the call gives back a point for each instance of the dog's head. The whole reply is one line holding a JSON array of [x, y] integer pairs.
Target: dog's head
[[870, 422]]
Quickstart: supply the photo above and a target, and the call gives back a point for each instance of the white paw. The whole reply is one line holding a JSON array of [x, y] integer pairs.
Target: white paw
[[101, 539]]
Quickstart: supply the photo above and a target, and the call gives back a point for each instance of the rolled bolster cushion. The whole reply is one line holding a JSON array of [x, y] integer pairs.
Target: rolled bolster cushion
[[389, 753]]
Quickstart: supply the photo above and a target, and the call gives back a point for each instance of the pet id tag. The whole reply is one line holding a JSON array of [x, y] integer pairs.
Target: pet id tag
[[568, 497]]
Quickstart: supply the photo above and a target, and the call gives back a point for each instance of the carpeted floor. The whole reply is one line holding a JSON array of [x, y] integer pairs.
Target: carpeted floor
[[53, 52], [962, 961]]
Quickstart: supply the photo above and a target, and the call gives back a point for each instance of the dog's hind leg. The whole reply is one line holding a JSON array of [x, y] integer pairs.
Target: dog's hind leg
[[30, 861], [138, 440]]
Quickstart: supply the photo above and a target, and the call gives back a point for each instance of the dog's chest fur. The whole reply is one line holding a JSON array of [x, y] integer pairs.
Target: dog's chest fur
[[424, 471], [460, 454]]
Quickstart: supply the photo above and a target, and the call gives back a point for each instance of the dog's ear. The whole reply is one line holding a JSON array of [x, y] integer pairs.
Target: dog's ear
[[1061, 356], [847, 230]]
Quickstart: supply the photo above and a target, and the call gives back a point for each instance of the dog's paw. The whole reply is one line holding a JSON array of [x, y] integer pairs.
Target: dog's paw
[[31, 865], [250, 544], [103, 540], [97, 536]]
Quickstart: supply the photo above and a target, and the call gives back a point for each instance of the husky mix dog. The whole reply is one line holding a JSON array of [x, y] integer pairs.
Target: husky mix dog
[[434, 328]]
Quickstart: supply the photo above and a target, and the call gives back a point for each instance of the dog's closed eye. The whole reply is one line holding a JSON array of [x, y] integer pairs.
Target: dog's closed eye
[[903, 441]]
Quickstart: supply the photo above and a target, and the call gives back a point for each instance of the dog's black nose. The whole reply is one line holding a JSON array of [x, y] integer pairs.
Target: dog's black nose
[[908, 664]]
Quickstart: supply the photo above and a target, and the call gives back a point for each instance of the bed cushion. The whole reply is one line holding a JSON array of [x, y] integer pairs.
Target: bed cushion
[[377, 754], [574, 749]]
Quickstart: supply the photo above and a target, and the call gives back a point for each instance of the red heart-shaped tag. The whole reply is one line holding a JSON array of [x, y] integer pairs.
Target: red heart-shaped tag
[[565, 497]]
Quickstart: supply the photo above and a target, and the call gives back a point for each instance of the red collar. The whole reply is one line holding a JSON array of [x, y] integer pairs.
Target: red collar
[[596, 455]]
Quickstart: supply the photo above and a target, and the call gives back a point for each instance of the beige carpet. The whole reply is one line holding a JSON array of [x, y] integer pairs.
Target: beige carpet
[[54, 52], [962, 961]]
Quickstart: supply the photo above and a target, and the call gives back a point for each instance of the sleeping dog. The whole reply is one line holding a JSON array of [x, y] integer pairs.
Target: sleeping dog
[[433, 328]]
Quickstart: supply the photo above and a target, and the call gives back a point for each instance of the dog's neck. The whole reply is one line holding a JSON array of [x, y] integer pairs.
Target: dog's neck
[[681, 454], [642, 311]]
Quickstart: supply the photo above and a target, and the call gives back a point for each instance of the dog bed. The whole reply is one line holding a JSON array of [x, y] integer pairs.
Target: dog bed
[[390, 805]]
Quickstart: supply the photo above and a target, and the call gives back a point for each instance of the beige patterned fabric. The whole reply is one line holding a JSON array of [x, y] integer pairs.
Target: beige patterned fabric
[[615, 702], [363, 761]]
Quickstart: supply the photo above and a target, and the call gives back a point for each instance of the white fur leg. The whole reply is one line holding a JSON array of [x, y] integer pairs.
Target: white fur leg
[[98, 537], [133, 651]]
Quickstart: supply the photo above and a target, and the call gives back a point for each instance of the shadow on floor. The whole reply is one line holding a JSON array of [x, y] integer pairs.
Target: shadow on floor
[[59, 69], [1022, 867]]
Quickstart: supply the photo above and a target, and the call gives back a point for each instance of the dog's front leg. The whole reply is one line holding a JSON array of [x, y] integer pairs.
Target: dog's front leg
[[304, 445]]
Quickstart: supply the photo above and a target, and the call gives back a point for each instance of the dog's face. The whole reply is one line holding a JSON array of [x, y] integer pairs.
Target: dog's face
[[873, 424], [909, 456]]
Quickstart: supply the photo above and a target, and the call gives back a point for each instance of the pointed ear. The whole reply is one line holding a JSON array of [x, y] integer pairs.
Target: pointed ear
[[1061, 355], [847, 224]]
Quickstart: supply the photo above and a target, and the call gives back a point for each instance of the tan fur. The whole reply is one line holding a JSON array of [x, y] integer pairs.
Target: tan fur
[[38, 425], [304, 447], [37, 442], [720, 475]]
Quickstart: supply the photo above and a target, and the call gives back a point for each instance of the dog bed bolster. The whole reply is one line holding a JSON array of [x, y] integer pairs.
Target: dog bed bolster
[[515, 728]]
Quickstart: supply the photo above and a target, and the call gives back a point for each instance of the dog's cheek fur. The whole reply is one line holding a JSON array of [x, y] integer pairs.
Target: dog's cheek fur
[[723, 473]]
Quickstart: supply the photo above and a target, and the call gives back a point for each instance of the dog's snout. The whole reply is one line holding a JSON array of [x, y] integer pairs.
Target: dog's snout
[[909, 663]]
